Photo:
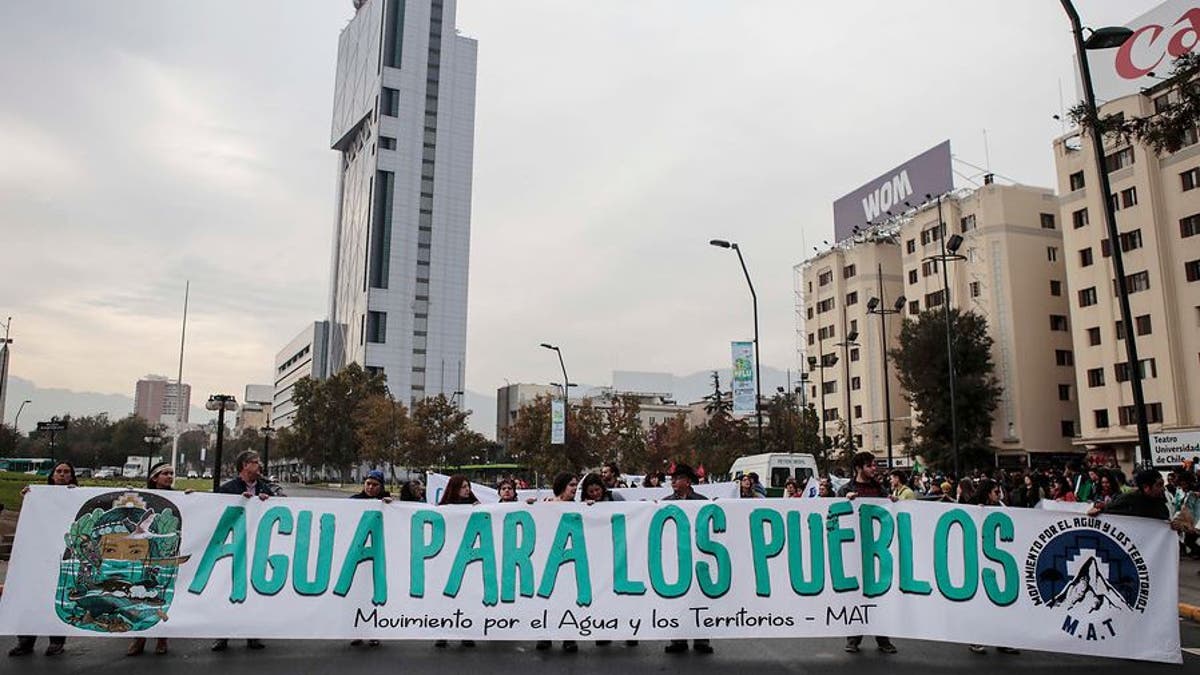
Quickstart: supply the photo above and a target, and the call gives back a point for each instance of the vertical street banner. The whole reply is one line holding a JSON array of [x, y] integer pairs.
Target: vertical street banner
[[558, 422], [143, 563], [743, 378]]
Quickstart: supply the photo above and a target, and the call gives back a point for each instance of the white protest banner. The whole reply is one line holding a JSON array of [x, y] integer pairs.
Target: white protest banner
[[1069, 507], [742, 384], [435, 486], [96, 562]]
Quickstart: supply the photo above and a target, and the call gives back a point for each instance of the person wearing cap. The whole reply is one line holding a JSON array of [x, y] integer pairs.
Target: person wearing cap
[[682, 479], [162, 477], [373, 488], [249, 483]]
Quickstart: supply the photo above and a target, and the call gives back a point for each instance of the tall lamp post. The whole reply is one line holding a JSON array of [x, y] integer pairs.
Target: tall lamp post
[[949, 253], [153, 443], [268, 432], [819, 364], [873, 307], [850, 341], [1110, 38], [566, 383], [220, 403], [17, 419], [721, 243]]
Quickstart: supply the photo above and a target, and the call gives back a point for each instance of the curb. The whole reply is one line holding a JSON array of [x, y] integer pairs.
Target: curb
[[1187, 611]]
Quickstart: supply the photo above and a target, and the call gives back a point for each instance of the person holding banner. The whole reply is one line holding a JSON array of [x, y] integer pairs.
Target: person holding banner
[[746, 488], [162, 477], [682, 479], [564, 486], [63, 475], [412, 491], [249, 483], [864, 484], [1148, 502], [988, 494], [458, 492], [372, 489], [507, 491]]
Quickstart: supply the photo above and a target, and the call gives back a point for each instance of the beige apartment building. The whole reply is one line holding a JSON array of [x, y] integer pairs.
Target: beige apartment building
[[1158, 217], [1012, 272], [846, 343]]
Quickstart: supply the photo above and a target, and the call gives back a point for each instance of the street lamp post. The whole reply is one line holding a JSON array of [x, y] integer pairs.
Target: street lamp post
[[720, 243], [873, 307], [153, 443], [268, 432], [1109, 38], [220, 403], [949, 252], [819, 364], [846, 344], [17, 419], [566, 383]]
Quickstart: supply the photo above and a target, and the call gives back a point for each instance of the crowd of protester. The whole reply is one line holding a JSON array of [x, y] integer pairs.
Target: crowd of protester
[[1171, 496]]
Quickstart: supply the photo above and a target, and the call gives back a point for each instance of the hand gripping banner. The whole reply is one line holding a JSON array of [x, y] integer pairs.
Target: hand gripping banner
[[96, 562]]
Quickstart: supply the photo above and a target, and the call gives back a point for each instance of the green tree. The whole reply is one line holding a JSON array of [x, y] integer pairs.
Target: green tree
[[720, 440], [782, 432], [624, 438], [922, 365], [438, 434], [666, 441], [324, 431], [1170, 127], [383, 429], [529, 438], [10, 441], [810, 440]]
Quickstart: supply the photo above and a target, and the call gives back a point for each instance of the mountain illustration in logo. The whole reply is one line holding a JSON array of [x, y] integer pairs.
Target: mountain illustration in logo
[[1090, 592]]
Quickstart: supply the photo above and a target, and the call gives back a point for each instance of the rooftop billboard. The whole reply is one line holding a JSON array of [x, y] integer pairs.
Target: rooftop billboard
[[927, 173], [1160, 36]]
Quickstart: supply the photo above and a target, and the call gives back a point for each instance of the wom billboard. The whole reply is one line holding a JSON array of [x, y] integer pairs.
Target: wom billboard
[[1160, 36], [927, 173]]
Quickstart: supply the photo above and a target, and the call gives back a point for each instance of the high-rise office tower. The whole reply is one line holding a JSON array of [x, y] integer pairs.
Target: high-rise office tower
[[403, 128]]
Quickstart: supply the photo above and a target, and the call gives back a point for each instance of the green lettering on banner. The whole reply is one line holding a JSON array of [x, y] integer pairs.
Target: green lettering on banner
[[683, 545], [622, 585], [876, 553], [421, 550], [815, 582], [368, 545], [319, 582], [763, 549], [570, 531], [999, 527], [837, 536], [479, 529], [517, 557], [711, 520], [228, 541], [941, 563], [264, 562], [908, 581]]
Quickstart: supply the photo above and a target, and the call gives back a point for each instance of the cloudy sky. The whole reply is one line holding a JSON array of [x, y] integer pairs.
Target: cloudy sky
[[144, 143]]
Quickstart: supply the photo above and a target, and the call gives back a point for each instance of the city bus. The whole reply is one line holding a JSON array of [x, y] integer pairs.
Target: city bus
[[39, 465]]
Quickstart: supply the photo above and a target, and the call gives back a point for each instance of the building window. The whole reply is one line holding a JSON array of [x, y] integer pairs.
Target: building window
[[829, 387], [1055, 288], [1058, 322], [968, 223], [854, 356], [381, 234], [1128, 417], [1076, 181], [1147, 371], [810, 339], [929, 267], [1142, 324], [1101, 418], [389, 103], [855, 383], [1064, 392], [852, 298], [1192, 269], [912, 276], [1068, 428], [377, 327], [1135, 283], [1190, 179], [1085, 257], [1047, 221], [1129, 197], [1093, 334], [932, 234], [825, 278], [1095, 377], [810, 312], [849, 271], [911, 245], [1190, 226], [825, 332], [831, 415], [825, 305], [933, 299], [1087, 297], [1079, 218], [1119, 159], [858, 414], [1116, 202], [1064, 357], [1052, 253], [975, 289], [387, 143], [914, 307]]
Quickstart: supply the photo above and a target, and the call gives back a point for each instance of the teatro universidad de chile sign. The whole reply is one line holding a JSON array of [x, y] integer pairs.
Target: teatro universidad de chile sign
[[926, 174]]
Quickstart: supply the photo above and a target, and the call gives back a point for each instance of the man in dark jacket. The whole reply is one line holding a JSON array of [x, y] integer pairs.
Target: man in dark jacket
[[682, 479], [1147, 501], [865, 484], [373, 488], [248, 483]]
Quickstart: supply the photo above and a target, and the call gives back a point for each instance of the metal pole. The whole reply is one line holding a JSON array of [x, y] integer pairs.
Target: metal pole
[[949, 342], [179, 382], [757, 368], [849, 407], [566, 394], [220, 437], [1114, 239], [266, 461], [887, 395], [821, 372]]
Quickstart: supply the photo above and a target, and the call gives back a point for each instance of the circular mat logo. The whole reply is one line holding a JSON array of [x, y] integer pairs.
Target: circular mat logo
[[1090, 572]]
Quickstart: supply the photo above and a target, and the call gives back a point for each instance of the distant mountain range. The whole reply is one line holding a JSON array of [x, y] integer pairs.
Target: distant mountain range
[[44, 403]]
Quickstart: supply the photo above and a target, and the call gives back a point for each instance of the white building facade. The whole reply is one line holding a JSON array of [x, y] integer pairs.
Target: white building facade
[[303, 357], [403, 127]]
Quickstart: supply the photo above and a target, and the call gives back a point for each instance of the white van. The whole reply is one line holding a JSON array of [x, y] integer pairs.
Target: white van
[[775, 468]]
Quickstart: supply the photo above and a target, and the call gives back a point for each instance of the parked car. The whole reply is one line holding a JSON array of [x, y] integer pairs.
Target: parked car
[[83, 472], [193, 474], [207, 473]]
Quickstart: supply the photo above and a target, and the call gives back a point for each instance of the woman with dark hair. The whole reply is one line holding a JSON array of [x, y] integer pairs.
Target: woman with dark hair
[[162, 477], [564, 487], [966, 491], [63, 475], [594, 490], [746, 488], [987, 493], [458, 491], [1107, 488], [653, 479], [412, 491], [506, 489]]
